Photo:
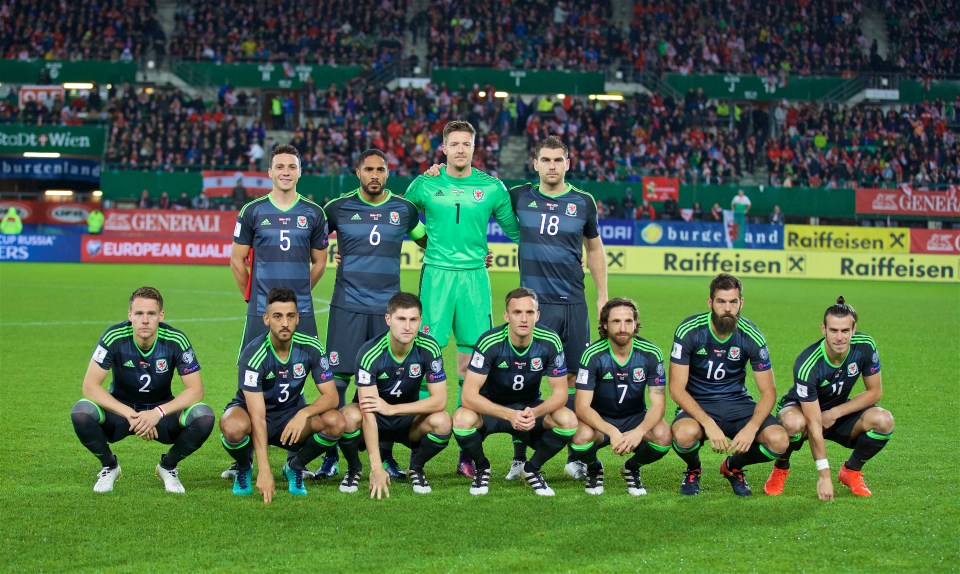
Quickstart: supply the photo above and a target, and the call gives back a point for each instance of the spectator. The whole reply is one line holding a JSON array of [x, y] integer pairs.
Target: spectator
[[740, 202], [183, 202], [255, 153], [164, 201], [776, 218], [239, 194], [696, 213], [671, 211], [201, 201], [629, 205], [646, 211], [716, 213], [145, 201]]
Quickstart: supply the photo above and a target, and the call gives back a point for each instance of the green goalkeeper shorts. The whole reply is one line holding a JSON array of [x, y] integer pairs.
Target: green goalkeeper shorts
[[456, 301]]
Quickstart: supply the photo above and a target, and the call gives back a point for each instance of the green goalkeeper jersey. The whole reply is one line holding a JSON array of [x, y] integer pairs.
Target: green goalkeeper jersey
[[457, 212]]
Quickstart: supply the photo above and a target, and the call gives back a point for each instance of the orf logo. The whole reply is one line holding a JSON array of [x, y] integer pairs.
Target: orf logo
[[302, 221], [94, 247], [734, 353]]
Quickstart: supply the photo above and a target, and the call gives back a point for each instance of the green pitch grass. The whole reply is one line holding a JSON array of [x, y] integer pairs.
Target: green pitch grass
[[51, 316]]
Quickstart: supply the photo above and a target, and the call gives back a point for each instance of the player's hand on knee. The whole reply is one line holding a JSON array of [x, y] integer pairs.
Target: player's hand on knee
[[379, 483], [265, 485], [824, 488], [294, 429], [827, 418], [718, 441], [742, 441], [629, 441]]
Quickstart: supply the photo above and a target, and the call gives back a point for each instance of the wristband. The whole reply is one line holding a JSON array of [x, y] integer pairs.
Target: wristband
[[163, 414], [822, 464]]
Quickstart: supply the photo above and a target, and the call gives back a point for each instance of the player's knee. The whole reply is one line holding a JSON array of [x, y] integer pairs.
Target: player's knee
[[440, 423], [775, 439], [234, 426], [793, 423], [465, 419], [332, 423], [352, 417], [661, 435], [84, 413], [200, 417], [881, 420], [685, 432], [584, 435], [564, 418]]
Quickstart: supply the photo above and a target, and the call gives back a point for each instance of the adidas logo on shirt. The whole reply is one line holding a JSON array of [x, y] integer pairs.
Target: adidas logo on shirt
[[265, 222], [502, 365], [356, 217], [607, 376], [532, 204], [702, 351], [439, 193], [129, 364], [270, 376], [383, 376]]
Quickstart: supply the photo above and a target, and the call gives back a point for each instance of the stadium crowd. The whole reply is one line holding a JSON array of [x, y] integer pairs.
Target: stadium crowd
[[335, 32], [925, 38], [769, 38], [58, 30], [695, 140], [522, 35]]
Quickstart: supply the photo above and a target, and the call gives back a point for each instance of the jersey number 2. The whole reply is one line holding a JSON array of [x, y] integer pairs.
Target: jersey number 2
[[145, 379]]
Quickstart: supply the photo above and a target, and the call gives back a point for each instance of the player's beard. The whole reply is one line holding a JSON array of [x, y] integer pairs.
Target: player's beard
[[726, 323], [622, 339], [373, 192]]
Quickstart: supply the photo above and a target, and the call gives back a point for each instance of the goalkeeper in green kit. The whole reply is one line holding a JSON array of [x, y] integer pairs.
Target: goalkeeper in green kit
[[454, 285]]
